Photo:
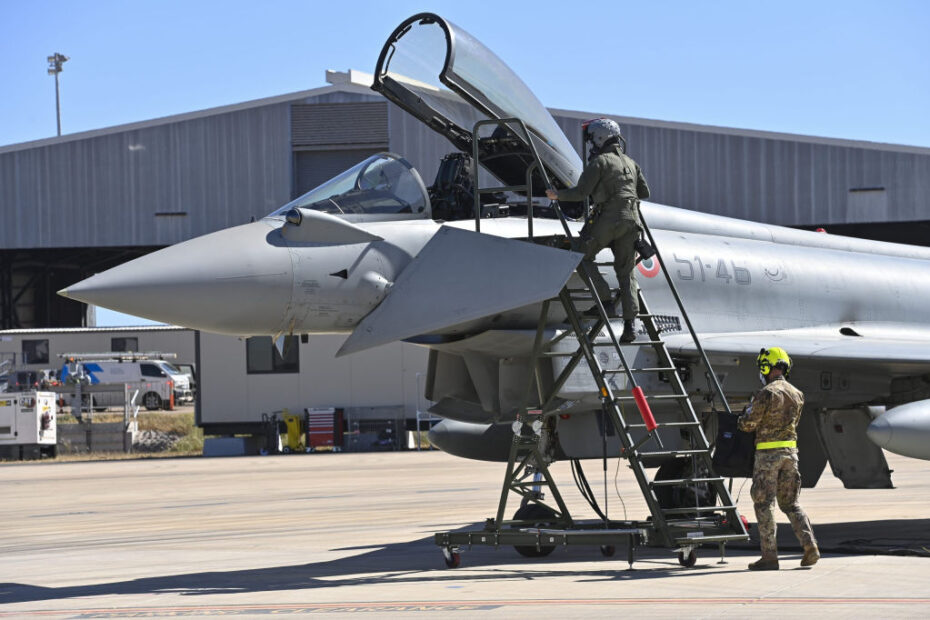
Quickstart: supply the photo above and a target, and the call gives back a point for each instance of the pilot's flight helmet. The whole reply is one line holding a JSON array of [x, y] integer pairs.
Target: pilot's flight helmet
[[775, 357], [600, 130]]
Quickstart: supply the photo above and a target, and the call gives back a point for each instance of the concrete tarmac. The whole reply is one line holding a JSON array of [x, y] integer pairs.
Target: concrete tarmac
[[352, 533]]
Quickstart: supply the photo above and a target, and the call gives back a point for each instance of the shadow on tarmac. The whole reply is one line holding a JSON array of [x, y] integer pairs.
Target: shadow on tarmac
[[420, 561]]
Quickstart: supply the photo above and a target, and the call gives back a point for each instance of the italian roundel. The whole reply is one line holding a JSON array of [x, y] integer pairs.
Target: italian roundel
[[649, 267]]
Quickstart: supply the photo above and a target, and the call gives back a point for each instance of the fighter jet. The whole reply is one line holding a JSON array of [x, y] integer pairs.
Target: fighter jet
[[378, 256]]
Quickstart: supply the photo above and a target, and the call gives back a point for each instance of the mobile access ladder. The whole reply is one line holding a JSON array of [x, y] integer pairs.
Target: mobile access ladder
[[537, 528]]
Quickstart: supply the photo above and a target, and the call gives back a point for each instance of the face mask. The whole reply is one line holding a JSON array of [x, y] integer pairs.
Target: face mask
[[762, 379]]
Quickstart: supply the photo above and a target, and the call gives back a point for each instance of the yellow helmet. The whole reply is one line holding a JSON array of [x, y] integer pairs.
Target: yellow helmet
[[775, 357]]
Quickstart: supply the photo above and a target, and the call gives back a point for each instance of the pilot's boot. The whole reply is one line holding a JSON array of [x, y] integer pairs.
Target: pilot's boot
[[765, 563], [811, 555], [609, 308], [628, 335]]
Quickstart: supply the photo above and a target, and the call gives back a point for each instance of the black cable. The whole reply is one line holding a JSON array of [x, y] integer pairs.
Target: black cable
[[581, 481]]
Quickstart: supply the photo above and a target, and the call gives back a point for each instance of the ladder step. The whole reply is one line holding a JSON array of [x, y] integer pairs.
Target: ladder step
[[620, 370], [635, 343], [654, 397], [684, 511], [682, 481], [673, 453], [666, 424]]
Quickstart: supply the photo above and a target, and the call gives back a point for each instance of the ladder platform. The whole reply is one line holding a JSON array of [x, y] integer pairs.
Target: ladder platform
[[501, 189]]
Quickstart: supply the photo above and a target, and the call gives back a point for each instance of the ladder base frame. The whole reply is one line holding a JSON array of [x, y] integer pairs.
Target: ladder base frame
[[593, 533]]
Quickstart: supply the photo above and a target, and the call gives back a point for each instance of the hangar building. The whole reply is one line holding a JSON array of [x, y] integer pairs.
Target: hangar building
[[77, 204]]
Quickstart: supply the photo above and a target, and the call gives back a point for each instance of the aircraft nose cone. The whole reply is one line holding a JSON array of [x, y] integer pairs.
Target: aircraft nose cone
[[236, 281], [880, 431]]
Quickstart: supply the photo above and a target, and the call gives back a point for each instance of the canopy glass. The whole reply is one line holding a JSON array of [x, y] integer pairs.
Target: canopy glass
[[381, 185], [448, 79]]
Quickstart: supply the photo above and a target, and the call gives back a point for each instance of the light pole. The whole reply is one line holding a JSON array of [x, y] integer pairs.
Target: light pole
[[54, 68]]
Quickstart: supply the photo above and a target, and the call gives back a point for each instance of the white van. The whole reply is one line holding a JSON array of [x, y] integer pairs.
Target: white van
[[161, 384]]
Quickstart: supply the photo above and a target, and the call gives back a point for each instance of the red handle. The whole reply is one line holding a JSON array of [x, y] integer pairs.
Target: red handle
[[644, 410]]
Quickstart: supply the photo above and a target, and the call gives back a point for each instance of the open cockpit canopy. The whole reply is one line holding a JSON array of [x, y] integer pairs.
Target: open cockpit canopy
[[445, 77]]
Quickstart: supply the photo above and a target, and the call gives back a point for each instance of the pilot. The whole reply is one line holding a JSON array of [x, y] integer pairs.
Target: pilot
[[615, 183], [773, 415]]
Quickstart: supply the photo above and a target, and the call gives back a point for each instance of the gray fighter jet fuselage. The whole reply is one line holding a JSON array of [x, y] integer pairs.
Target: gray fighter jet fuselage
[[363, 256]]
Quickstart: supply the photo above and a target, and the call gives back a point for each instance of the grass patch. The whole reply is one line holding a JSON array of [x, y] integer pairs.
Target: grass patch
[[190, 442], [177, 423]]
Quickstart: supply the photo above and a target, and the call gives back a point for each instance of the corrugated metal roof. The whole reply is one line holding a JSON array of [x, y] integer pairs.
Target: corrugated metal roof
[[186, 116], [746, 133]]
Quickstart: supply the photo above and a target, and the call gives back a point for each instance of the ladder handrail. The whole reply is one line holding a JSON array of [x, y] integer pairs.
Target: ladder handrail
[[537, 162], [681, 306]]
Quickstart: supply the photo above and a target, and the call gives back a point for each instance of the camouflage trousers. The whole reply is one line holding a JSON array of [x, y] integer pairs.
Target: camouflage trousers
[[775, 475], [609, 229]]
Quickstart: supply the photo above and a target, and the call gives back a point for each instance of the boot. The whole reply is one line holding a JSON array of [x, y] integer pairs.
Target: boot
[[609, 308], [764, 563], [628, 335], [811, 555]]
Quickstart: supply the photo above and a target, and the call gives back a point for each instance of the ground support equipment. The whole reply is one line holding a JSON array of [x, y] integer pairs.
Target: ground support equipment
[[537, 528]]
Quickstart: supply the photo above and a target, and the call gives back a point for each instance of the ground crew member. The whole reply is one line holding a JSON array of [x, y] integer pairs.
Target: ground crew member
[[773, 415], [615, 183]]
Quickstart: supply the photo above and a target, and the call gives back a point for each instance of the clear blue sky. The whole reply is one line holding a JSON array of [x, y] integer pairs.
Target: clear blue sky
[[845, 69]]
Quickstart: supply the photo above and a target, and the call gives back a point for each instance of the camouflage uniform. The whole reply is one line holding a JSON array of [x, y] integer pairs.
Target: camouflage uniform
[[615, 183], [774, 416]]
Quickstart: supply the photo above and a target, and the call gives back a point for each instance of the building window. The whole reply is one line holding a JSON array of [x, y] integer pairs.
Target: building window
[[124, 345], [35, 351], [262, 356]]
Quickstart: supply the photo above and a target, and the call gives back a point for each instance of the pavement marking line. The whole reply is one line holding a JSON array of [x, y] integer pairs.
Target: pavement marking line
[[433, 606]]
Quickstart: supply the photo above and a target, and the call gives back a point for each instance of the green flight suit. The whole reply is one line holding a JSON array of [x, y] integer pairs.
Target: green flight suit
[[615, 183]]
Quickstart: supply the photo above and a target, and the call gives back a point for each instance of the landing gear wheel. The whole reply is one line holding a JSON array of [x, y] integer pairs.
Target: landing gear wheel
[[687, 560], [540, 516], [452, 558], [152, 401], [608, 551]]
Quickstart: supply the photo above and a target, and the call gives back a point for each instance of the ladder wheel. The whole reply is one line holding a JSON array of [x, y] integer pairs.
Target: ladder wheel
[[608, 551], [687, 560], [452, 558], [545, 516]]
